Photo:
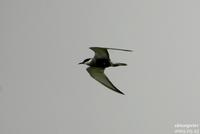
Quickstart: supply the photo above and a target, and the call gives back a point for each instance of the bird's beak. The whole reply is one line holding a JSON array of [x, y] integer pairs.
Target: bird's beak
[[80, 63]]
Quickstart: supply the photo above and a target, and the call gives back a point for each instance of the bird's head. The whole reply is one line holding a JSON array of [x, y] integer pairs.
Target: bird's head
[[86, 61]]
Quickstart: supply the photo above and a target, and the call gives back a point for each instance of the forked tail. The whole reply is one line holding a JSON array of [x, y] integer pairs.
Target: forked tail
[[119, 64]]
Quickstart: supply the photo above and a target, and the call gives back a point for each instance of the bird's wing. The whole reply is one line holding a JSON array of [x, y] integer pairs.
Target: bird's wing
[[100, 53], [120, 49], [98, 74]]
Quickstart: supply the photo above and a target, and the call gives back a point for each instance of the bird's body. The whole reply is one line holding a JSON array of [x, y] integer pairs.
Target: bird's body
[[102, 63], [98, 63]]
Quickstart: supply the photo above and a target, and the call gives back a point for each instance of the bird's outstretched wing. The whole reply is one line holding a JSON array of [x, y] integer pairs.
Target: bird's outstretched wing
[[101, 52], [120, 49], [98, 74]]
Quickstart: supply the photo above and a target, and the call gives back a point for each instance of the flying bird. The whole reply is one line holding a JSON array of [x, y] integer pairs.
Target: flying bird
[[99, 63]]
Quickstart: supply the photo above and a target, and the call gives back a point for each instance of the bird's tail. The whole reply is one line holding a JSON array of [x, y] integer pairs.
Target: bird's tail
[[119, 64]]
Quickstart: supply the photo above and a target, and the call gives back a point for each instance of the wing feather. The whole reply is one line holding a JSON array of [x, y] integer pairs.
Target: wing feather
[[120, 49], [100, 53], [98, 74]]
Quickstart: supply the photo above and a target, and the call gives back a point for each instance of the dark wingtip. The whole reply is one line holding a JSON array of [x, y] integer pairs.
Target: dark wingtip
[[120, 92], [129, 50]]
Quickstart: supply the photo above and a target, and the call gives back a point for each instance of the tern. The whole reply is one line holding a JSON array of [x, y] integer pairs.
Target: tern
[[99, 63]]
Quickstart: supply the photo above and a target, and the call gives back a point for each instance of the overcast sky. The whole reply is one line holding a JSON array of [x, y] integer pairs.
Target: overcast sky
[[44, 91]]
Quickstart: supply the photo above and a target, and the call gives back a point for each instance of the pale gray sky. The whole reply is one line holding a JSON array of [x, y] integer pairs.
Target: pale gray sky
[[44, 91]]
